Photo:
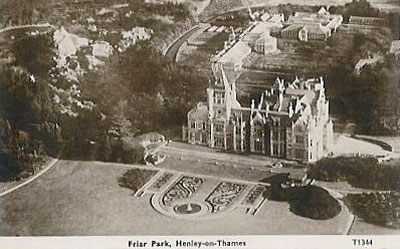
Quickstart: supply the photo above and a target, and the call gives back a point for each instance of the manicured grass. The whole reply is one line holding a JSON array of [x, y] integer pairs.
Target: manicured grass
[[84, 198]]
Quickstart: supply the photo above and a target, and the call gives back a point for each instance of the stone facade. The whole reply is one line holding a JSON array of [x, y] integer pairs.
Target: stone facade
[[290, 121]]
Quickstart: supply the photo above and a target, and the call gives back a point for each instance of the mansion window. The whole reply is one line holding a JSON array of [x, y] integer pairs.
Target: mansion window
[[311, 142], [204, 139], [311, 156], [258, 132], [298, 128], [193, 125], [258, 145], [299, 139], [275, 135], [204, 125], [282, 147], [219, 127], [219, 142], [275, 150], [299, 154], [219, 98], [238, 145], [238, 130]]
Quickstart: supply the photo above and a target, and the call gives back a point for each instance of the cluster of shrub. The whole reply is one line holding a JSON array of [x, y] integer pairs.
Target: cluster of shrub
[[306, 201], [381, 209], [360, 172], [28, 128], [24, 12], [134, 179], [370, 97]]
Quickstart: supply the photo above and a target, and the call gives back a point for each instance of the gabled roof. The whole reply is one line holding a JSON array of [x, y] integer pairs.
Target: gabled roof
[[294, 27], [323, 11], [318, 29], [236, 54], [200, 112]]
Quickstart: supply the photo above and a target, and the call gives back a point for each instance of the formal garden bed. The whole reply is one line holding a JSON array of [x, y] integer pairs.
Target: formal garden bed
[[182, 190], [224, 195], [161, 182]]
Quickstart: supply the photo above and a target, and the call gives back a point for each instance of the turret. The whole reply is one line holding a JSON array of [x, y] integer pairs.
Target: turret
[[253, 104], [280, 100], [210, 99]]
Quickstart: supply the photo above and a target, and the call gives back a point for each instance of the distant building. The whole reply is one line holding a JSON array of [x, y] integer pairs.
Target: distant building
[[256, 38], [259, 37], [367, 21], [395, 48], [306, 26], [306, 32], [291, 120], [265, 44], [232, 57]]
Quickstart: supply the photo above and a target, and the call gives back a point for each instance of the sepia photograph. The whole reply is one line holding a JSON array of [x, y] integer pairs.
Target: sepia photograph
[[199, 118]]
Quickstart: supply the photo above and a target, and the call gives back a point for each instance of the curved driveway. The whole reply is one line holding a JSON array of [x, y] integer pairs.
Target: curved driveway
[[44, 25], [173, 49]]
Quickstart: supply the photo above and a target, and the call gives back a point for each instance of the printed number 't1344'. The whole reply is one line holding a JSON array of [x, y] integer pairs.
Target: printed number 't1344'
[[362, 242]]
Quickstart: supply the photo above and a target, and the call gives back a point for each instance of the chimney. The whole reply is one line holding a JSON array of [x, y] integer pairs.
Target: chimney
[[252, 107], [210, 98]]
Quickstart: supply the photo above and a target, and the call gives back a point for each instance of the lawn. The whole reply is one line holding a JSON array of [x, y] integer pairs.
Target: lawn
[[84, 198]]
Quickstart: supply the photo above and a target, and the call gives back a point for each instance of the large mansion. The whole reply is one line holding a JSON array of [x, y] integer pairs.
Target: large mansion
[[291, 120], [288, 120]]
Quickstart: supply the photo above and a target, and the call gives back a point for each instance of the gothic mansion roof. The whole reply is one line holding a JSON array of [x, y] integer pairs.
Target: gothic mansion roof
[[310, 28], [200, 112], [297, 100]]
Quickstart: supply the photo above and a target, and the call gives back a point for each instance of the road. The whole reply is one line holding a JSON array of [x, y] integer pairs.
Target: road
[[44, 25], [217, 156], [46, 168], [173, 49]]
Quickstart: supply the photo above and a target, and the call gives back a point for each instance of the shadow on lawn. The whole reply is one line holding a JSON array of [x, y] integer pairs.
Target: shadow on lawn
[[306, 201]]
